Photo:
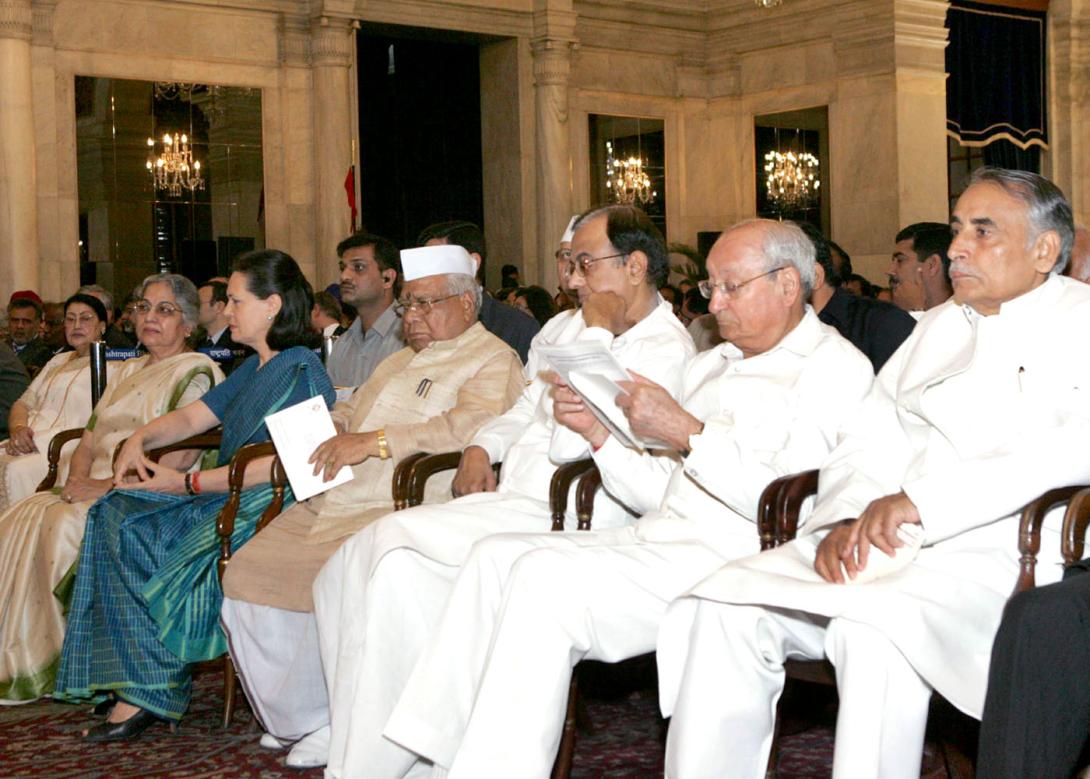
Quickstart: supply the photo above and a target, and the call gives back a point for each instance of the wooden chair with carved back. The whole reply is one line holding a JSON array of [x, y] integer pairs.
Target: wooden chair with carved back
[[409, 482], [779, 515]]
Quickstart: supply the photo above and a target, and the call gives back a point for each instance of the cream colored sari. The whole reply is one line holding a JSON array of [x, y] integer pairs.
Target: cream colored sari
[[59, 399], [40, 535]]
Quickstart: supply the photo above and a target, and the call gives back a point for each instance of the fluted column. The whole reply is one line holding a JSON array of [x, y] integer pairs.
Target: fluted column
[[18, 186], [331, 47], [552, 66]]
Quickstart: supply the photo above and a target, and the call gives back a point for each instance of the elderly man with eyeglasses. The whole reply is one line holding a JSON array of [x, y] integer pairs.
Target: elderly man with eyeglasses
[[490, 701], [379, 597], [434, 395]]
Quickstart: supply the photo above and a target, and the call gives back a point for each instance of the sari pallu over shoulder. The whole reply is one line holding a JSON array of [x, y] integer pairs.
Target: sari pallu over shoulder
[[147, 595]]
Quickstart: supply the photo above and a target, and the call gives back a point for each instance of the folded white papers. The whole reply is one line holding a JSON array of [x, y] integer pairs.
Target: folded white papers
[[297, 431], [592, 372]]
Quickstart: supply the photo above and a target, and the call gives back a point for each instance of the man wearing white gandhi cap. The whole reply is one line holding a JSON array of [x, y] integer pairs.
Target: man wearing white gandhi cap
[[380, 595], [552, 329], [432, 396]]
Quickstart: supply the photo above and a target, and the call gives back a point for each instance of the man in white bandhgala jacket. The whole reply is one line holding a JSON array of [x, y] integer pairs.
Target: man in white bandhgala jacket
[[902, 571], [490, 700], [379, 596]]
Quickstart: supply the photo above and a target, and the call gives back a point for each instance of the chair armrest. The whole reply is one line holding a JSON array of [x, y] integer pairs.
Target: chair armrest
[[789, 504], [560, 485], [236, 476], [1029, 532], [423, 469], [209, 440], [584, 497], [766, 512], [399, 485], [56, 444], [1076, 519]]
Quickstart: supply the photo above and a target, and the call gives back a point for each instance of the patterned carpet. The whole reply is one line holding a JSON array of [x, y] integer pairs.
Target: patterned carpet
[[626, 742]]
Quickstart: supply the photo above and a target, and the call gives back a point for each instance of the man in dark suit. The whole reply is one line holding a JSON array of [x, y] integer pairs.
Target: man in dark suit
[[874, 327], [24, 328], [1037, 712], [211, 317], [509, 324]]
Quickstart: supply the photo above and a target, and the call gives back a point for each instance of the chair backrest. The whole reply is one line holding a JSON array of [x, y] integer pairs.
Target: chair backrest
[[53, 457]]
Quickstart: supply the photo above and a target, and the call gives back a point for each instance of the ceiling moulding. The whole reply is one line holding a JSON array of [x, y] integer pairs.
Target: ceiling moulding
[[667, 14], [601, 34], [743, 16], [448, 16], [296, 7], [802, 25]]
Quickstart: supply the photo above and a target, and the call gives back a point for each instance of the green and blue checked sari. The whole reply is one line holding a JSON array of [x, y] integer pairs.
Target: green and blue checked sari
[[147, 597]]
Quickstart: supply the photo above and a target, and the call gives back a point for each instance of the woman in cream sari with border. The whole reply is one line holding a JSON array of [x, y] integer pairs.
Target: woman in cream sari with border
[[58, 399], [40, 536]]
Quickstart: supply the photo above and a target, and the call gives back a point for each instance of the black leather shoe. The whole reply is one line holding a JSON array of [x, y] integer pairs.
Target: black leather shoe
[[103, 708], [123, 731]]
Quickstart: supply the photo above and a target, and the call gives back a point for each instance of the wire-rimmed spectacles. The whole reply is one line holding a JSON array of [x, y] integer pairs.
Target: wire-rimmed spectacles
[[580, 264], [706, 286], [422, 305]]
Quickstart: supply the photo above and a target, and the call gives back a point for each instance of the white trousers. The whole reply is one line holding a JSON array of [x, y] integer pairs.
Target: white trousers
[[733, 675], [487, 697], [275, 652], [377, 602]]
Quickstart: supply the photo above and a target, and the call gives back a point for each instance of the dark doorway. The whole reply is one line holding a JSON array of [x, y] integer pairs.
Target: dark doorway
[[420, 132]]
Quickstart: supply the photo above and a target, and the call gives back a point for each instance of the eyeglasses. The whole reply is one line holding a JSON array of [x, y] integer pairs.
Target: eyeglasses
[[731, 290], [580, 264], [72, 319], [357, 267], [422, 305], [163, 309]]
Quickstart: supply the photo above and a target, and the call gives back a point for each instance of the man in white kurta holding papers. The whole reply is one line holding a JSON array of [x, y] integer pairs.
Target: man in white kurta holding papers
[[433, 395], [378, 598], [490, 700], [900, 575]]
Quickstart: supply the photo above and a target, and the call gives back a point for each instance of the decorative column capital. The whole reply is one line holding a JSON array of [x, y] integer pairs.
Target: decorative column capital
[[16, 19], [331, 42], [43, 21], [552, 61], [294, 42]]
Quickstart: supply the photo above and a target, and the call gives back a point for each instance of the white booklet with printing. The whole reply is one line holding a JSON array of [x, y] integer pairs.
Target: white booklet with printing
[[592, 372], [297, 431]]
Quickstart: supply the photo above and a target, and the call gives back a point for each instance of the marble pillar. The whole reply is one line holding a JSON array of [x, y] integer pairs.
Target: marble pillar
[[1067, 162], [552, 66], [331, 49], [18, 180]]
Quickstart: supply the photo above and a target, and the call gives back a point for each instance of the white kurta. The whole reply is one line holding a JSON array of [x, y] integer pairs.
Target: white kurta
[[59, 399], [351, 594], [973, 417], [491, 700]]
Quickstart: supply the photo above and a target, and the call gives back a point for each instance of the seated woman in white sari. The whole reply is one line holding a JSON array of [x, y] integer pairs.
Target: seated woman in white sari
[[40, 535], [58, 399]]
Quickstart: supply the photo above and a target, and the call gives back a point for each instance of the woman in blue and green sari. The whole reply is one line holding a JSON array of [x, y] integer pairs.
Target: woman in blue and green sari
[[147, 598]]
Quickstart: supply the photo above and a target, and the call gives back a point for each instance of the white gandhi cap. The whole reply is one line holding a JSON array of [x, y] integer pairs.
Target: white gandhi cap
[[436, 261], [569, 231]]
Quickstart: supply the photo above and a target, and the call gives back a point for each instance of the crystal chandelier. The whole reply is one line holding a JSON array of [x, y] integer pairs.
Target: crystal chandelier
[[792, 179], [626, 179], [768, 3], [174, 169]]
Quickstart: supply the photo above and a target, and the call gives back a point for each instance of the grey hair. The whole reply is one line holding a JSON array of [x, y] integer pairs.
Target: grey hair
[[461, 283], [101, 293], [1048, 208], [184, 291], [784, 244]]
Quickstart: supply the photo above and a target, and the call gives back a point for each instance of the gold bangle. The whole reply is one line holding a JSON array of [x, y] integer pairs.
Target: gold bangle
[[383, 446]]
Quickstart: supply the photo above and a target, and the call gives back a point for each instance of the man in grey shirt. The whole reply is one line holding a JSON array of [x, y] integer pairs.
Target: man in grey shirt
[[370, 280]]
